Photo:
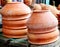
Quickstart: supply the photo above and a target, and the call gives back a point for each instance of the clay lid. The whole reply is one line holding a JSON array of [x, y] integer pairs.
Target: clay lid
[[15, 8]]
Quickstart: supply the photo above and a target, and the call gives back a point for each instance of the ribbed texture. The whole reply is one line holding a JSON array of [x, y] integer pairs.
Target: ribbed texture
[[14, 19]]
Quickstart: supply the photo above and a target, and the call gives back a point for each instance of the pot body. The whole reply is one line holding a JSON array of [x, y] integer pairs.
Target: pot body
[[42, 27], [14, 18]]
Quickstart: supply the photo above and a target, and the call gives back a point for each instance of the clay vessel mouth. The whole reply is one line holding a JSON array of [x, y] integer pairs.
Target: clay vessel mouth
[[40, 11]]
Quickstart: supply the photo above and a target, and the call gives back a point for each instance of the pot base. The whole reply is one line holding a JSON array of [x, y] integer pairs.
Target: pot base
[[41, 43], [9, 36]]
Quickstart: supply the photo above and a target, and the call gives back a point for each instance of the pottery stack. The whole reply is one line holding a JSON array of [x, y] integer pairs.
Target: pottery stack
[[42, 27], [14, 18]]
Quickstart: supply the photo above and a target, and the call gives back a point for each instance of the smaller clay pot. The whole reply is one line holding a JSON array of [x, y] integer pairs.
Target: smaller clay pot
[[28, 2], [42, 5], [37, 7], [44, 38], [53, 9]]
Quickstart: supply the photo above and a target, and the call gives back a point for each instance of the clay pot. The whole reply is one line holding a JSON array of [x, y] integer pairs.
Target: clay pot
[[28, 2], [53, 9], [42, 24], [14, 18], [42, 5], [37, 7]]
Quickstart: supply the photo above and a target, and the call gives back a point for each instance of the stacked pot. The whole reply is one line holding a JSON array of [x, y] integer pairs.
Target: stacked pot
[[14, 18], [42, 27]]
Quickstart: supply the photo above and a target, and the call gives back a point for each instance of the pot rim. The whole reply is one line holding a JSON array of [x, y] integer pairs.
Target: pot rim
[[41, 11]]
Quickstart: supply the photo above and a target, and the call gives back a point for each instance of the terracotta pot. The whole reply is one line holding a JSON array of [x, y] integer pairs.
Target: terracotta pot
[[37, 7], [28, 2], [42, 22], [15, 16], [44, 38], [53, 9]]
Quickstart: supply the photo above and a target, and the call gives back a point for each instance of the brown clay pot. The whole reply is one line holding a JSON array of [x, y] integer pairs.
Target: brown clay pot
[[14, 18], [42, 24]]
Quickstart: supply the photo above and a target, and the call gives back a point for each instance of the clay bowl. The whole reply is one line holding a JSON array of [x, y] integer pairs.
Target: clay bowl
[[43, 38]]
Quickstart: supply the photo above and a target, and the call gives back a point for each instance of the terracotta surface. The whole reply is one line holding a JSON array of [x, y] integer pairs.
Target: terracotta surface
[[44, 38], [14, 18], [11, 33], [42, 27], [42, 20]]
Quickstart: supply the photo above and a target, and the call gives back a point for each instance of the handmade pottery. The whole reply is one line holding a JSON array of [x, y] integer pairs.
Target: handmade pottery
[[28, 2], [14, 18], [42, 27]]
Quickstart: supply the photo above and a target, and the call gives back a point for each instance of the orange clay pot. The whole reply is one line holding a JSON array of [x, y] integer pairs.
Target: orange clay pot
[[28, 2], [14, 18], [44, 26]]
